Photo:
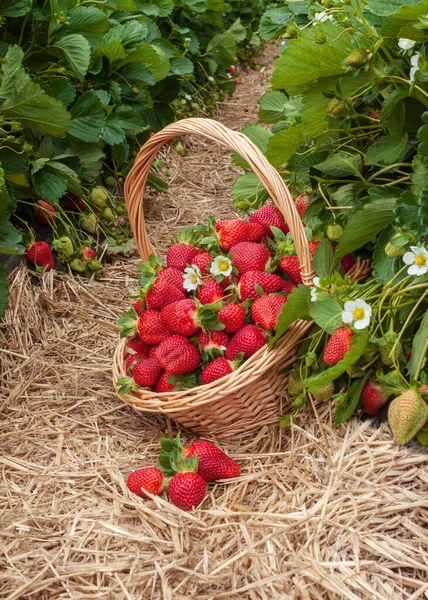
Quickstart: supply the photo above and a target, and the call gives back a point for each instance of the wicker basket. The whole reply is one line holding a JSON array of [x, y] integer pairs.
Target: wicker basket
[[252, 395]]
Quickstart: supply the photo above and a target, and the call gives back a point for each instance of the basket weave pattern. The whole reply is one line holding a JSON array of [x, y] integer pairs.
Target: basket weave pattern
[[252, 395]]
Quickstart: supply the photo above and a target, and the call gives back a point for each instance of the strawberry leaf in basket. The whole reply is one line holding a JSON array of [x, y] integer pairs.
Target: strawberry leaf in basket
[[296, 307], [345, 412], [315, 383]]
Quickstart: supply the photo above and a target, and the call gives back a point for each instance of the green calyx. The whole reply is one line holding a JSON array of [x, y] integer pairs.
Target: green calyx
[[125, 385], [206, 316], [171, 457], [128, 323]]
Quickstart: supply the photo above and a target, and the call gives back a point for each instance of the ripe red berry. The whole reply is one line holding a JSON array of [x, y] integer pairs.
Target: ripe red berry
[[247, 340], [151, 328], [291, 267], [213, 463], [146, 480], [163, 385], [146, 372], [249, 256], [177, 355], [137, 344], [266, 311], [337, 346], [187, 490], [179, 255], [373, 397], [40, 255], [216, 369], [44, 212], [213, 340], [268, 282], [172, 275], [201, 261], [210, 291], [163, 293], [268, 216], [233, 317], [302, 203]]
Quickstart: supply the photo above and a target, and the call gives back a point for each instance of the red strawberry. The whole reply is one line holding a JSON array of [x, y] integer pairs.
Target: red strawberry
[[233, 231], [267, 281], [373, 397], [131, 360], [88, 253], [74, 203], [40, 255], [313, 246], [288, 287], [137, 307], [268, 216], [216, 369], [152, 351], [172, 275], [177, 355], [302, 203], [150, 327], [337, 346], [201, 261], [146, 372], [227, 281], [232, 316], [137, 344], [181, 317], [180, 255], [213, 340], [44, 212], [248, 340], [187, 490], [163, 293], [210, 291], [163, 385], [291, 267], [151, 480], [347, 262], [248, 256], [213, 463], [266, 311]]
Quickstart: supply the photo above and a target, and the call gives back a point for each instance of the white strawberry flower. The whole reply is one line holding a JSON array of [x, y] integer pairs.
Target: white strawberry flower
[[357, 312], [192, 278], [406, 44], [415, 66], [210, 78], [221, 265], [321, 17], [417, 258], [314, 294], [188, 97]]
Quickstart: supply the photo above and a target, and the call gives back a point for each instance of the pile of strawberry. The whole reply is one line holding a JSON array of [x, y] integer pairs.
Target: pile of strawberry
[[214, 303], [183, 472]]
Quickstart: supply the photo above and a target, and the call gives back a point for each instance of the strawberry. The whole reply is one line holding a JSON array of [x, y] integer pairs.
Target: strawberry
[[373, 397], [392, 251], [180, 255], [152, 351], [334, 231], [150, 480], [210, 291], [325, 393], [213, 463], [172, 275], [232, 231], [137, 344], [347, 262], [131, 360], [288, 287], [247, 340], [202, 261], [313, 246], [146, 372], [302, 202], [406, 415], [376, 114], [390, 352], [40, 255], [44, 212], [88, 253], [295, 383], [216, 369], [269, 216], [291, 267], [266, 311], [177, 355], [187, 490], [185, 317], [138, 307], [268, 282], [232, 316], [228, 281], [150, 327], [249, 256], [163, 293], [337, 346], [213, 340], [74, 203], [162, 385]]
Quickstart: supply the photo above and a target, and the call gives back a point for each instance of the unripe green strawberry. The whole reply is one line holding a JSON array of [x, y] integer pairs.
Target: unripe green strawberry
[[77, 265], [89, 222], [108, 214], [111, 181], [335, 109], [334, 232], [422, 438], [95, 265], [320, 37], [98, 196], [63, 247], [120, 209], [180, 149], [388, 357], [407, 414], [325, 393], [394, 251], [356, 59], [292, 31], [295, 384]]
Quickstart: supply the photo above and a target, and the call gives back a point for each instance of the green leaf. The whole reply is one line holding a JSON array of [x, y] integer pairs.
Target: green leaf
[[359, 343], [49, 185], [259, 135], [88, 118], [113, 51], [274, 21], [249, 187], [77, 52], [61, 89], [4, 291], [157, 8], [73, 182], [354, 393], [129, 34], [237, 31], [89, 21], [274, 106], [199, 6], [15, 8], [419, 348], [419, 177], [387, 149], [181, 65], [295, 308], [284, 144], [156, 183], [325, 260], [341, 164], [123, 119], [10, 239], [154, 58], [26, 102], [380, 7], [327, 314], [366, 224], [384, 268], [405, 12], [222, 49]]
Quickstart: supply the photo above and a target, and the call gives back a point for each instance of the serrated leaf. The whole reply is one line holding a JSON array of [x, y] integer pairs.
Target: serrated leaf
[[274, 106], [113, 51], [385, 268], [10, 239], [4, 291], [359, 343], [407, 216], [380, 7], [89, 21], [156, 183], [274, 21], [295, 308], [423, 208], [419, 348], [77, 52], [129, 34], [15, 8], [157, 8], [419, 177], [249, 187], [89, 118], [365, 224], [325, 260], [73, 182], [60, 89], [259, 135], [222, 50], [181, 65], [387, 149], [199, 6], [284, 144], [401, 13], [237, 31], [341, 164], [49, 185], [154, 58], [354, 395], [327, 314]]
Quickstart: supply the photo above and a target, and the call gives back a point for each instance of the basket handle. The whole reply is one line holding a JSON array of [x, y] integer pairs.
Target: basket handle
[[213, 130]]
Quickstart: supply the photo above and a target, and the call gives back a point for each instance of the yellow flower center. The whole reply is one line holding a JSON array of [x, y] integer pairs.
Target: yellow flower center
[[358, 313], [223, 265], [194, 279], [420, 260]]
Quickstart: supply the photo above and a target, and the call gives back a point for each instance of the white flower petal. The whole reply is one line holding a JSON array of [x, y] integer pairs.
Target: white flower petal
[[409, 258], [350, 305], [361, 324], [417, 270], [314, 295], [359, 303], [406, 44], [316, 281], [347, 317]]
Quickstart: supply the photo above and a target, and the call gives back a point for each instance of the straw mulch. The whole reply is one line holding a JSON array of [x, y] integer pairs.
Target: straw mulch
[[317, 513]]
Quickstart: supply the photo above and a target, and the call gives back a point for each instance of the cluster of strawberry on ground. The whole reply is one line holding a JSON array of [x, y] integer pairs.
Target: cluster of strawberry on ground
[[183, 472], [214, 303]]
